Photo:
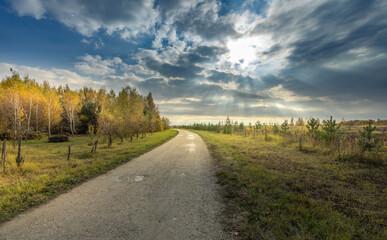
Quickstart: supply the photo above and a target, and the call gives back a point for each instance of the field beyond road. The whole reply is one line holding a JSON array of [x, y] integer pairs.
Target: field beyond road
[[47, 172], [274, 191]]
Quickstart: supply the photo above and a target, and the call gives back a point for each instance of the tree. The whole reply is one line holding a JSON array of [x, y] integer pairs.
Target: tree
[[227, 126], [300, 122], [291, 122], [275, 128], [12, 108], [312, 125], [52, 106], [367, 140], [166, 123], [71, 106], [331, 130], [88, 117], [285, 126], [258, 125]]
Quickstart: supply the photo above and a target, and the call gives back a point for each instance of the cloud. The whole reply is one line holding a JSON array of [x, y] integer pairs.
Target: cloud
[[128, 18], [95, 65], [54, 76], [32, 8], [318, 31]]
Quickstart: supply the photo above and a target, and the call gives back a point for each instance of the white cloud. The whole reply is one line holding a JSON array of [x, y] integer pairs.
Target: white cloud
[[288, 96], [179, 101], [128, 18], [98, 43], [232, 85], [54, 76], [95, 65], [32, 8]]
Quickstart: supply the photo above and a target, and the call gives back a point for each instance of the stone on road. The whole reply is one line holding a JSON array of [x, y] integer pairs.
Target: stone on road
[[167, 193]]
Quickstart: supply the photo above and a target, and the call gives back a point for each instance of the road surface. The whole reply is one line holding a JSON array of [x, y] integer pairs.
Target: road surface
[[167, 193]]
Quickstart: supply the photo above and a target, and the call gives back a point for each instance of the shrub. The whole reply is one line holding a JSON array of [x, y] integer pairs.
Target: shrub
[[36, 135], [313, 125], [285, 126], [367, 140], [275, 128], [331, 130], [58, 138]]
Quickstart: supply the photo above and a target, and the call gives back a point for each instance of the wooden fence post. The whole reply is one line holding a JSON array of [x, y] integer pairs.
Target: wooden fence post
[[109, 141], [300, 143], [94, 149], [19, 158], [68, 155], [4, 154], [338, 147]]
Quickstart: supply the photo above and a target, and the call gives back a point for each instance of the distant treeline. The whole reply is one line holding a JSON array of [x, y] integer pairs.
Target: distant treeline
[[364, 143], [229, 126], [377, 122], [29, 110]]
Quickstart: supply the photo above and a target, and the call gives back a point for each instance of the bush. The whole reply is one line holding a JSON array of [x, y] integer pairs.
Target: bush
[[36, 135], [58, 138]]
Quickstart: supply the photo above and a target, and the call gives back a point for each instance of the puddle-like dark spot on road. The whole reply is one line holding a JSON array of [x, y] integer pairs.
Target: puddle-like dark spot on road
[[127, 178]]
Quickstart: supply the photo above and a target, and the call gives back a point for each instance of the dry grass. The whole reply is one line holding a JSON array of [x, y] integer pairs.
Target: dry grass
[[275, 191]]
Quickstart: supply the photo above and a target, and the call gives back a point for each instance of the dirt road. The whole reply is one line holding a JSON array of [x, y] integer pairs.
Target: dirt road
[[168, 193]]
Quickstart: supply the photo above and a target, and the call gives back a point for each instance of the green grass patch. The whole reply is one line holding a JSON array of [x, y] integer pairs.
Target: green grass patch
[[47, 173], [274, 191]]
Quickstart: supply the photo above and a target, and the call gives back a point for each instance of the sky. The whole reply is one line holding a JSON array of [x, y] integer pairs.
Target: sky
[[251, 60]]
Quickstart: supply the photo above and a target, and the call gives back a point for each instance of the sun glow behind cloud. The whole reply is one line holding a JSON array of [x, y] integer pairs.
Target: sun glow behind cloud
[[244, 50]]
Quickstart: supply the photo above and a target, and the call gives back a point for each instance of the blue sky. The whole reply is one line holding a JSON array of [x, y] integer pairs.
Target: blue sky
[[204, 60]]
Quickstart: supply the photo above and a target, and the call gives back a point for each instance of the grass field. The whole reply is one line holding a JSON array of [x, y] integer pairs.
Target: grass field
[[47, 173], [274, 191]]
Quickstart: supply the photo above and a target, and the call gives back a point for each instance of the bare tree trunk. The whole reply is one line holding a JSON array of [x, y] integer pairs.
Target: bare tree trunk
[[37, 117], [49, 118], [29, 118], [71, 120], [15, 121]]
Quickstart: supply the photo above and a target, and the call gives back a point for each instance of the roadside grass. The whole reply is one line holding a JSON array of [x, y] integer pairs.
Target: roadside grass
[[274, 191], [47, 173]]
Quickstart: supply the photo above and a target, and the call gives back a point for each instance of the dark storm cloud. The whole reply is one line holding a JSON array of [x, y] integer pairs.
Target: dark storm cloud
[[245, 83], [203, 20], [319, 33], [186, 64], [201, 54], [356, 24], [210, 51], [186, 71], [367, 81]]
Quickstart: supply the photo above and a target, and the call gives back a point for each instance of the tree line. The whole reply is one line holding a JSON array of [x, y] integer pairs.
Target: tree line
[[29, 110]]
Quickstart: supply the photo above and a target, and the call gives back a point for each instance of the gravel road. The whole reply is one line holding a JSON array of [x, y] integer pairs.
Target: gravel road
[[167, 193]]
